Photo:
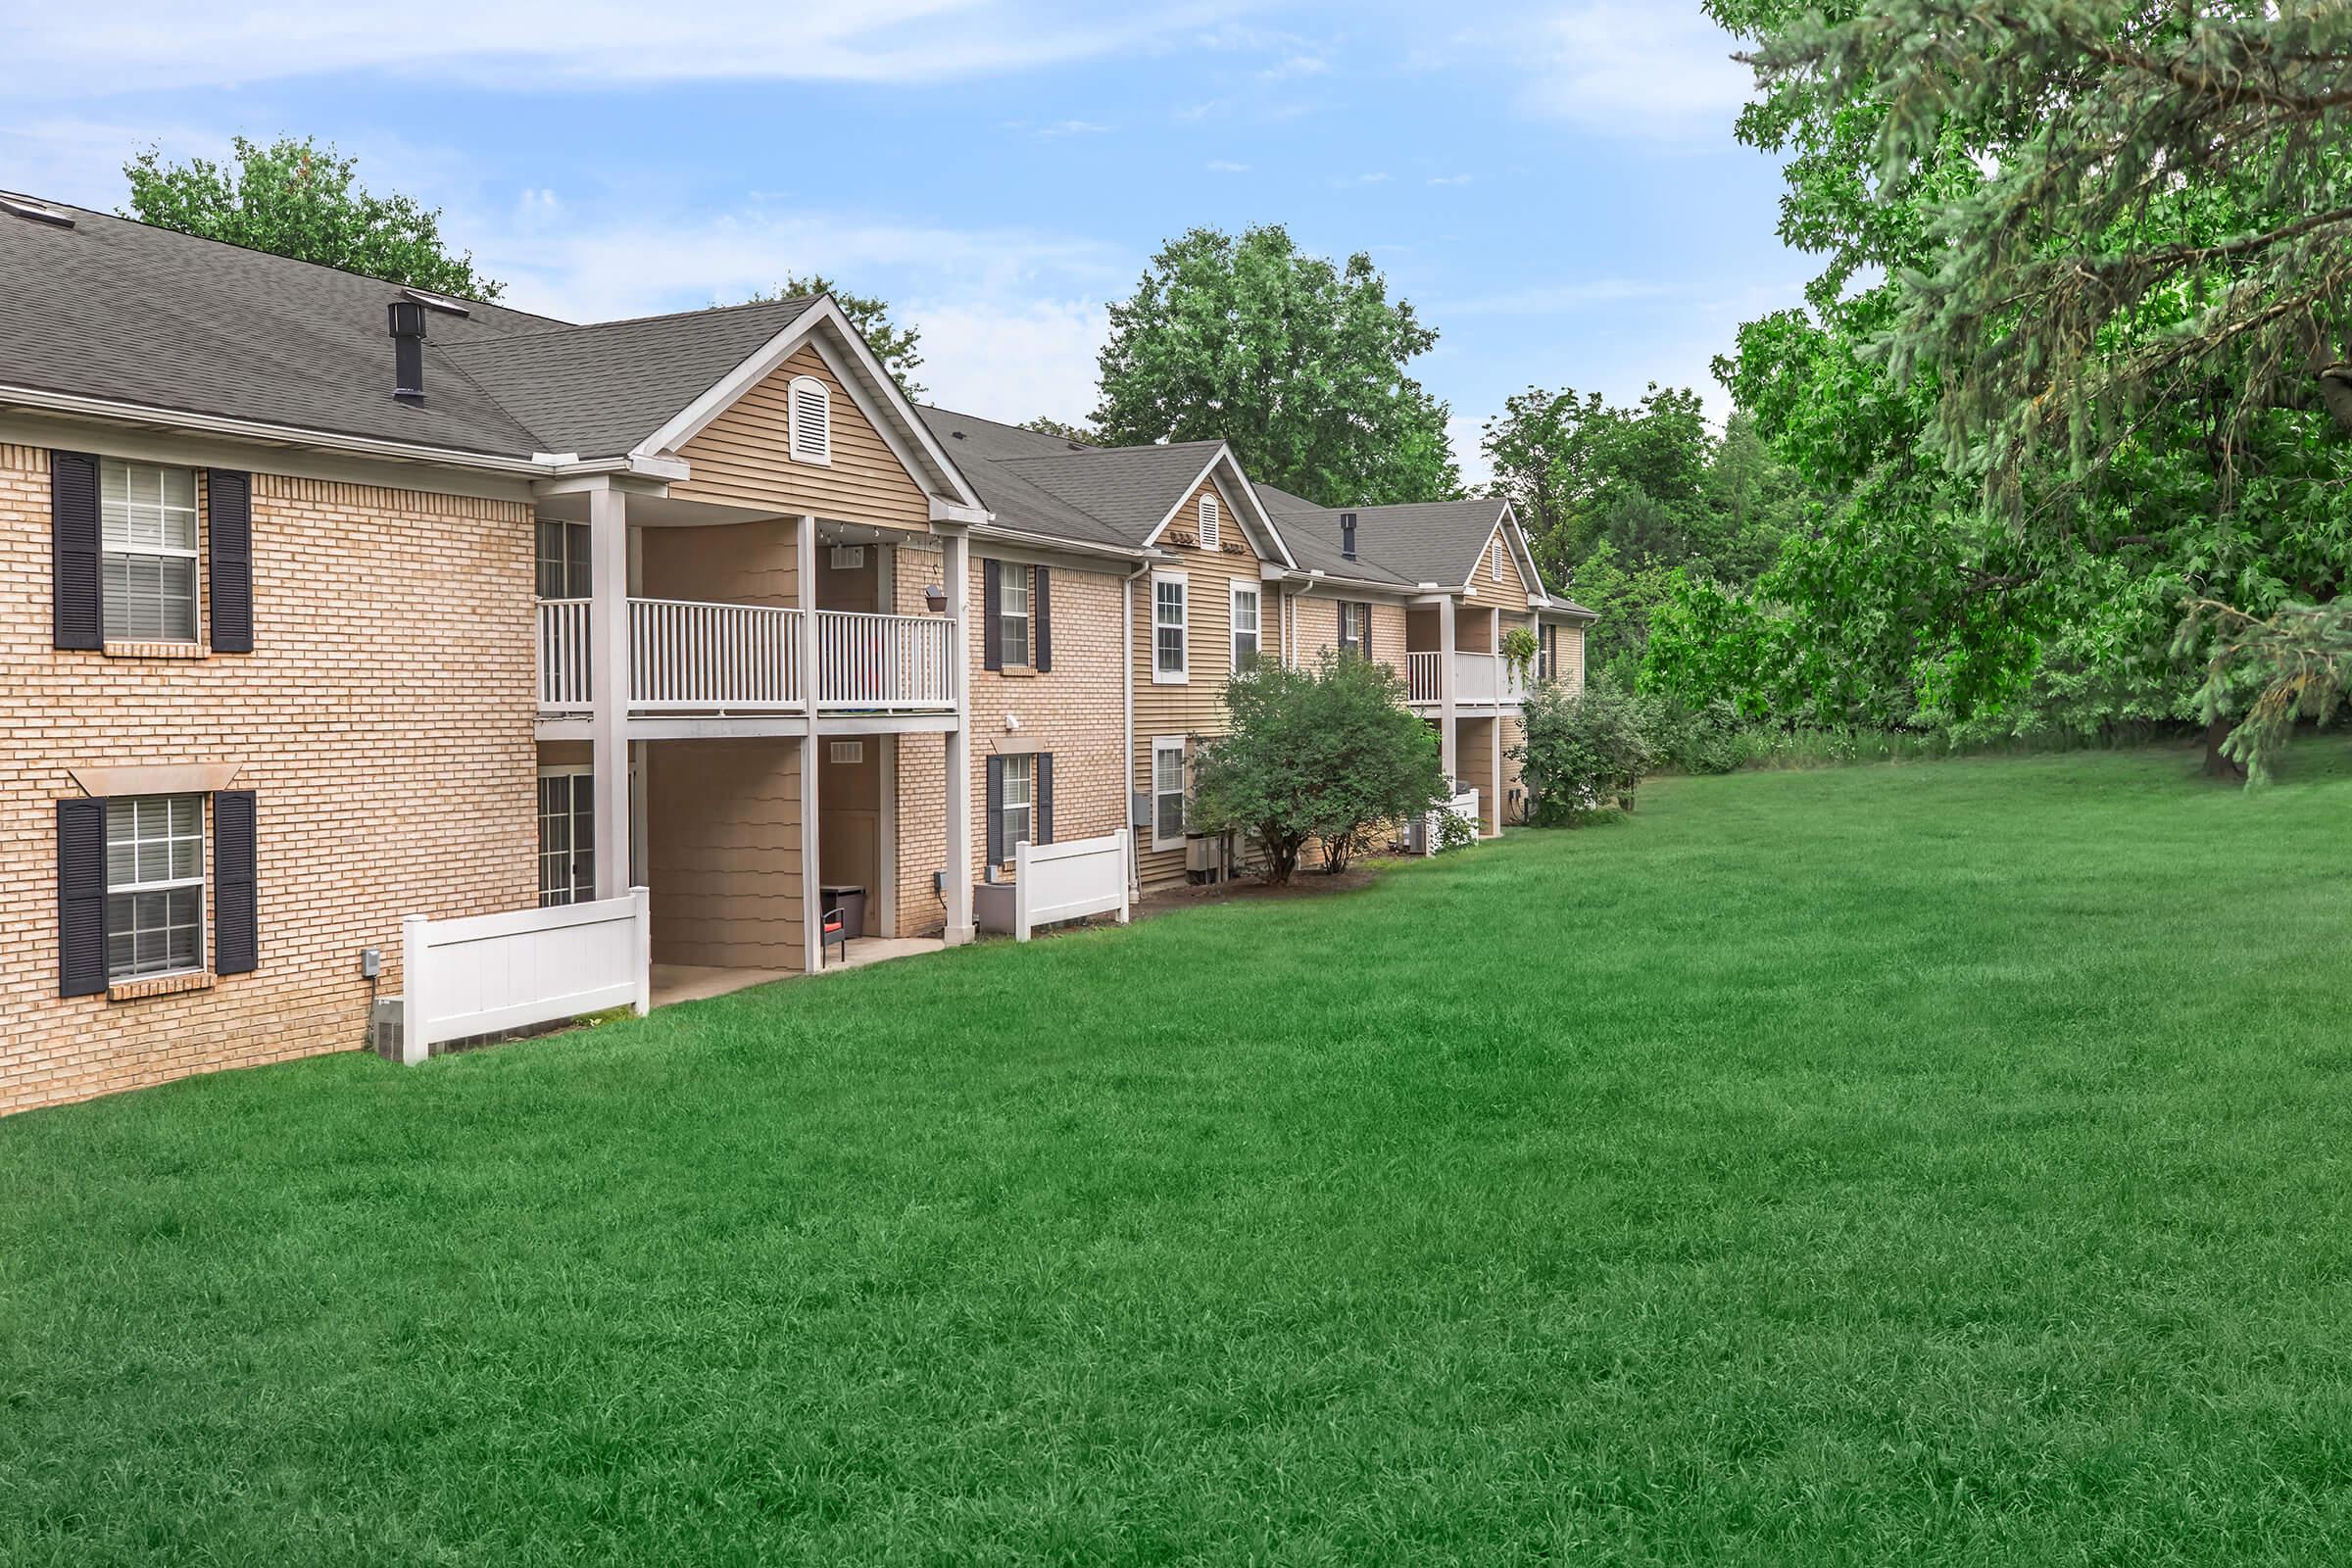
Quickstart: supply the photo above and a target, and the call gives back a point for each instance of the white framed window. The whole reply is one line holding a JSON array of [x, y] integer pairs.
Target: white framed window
[[1356, 628], [1012, 614], [567, 835], [1167, 792], [153, 886], [1020, 797], [1245, 625], [1171, 629], [811, 418], [564, 560], [1494, 557], [147, 524], [1208, 522]]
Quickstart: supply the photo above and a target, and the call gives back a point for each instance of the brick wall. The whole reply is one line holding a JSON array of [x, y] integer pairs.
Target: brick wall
[[1074, 711], [384, 720]]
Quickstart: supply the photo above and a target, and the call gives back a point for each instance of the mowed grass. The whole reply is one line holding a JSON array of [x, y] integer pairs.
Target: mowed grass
[[1941, 1163]]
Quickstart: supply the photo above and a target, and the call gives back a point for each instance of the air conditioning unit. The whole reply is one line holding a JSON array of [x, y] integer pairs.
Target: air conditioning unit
[[384, 1032], [1206, 857]]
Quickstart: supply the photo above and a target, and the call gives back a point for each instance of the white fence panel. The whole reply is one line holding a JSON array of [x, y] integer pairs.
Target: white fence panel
[[492, 972], [1462, 804], [1062, 881], [563, 655]]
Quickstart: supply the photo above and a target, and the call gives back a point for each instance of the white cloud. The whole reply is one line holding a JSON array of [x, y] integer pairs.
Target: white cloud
[[1344, 181], [59, 50], [1070, 127], [1632, 68], [80, 160], [1449, 179], [1226, 165], [1295, 66], [1013, 361]]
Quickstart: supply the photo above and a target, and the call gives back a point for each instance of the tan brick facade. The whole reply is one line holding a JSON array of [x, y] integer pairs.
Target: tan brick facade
[[383, 721], [1073, 710]]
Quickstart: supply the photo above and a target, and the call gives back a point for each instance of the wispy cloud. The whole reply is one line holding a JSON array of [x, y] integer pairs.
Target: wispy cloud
[[1295, 66], [1069, 128], [1226, 165], [60, 51], [1627, 67], [1449, 179], [1346, 182]]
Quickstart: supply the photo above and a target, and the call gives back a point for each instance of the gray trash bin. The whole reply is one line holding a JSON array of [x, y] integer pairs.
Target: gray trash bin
[[851, 901]]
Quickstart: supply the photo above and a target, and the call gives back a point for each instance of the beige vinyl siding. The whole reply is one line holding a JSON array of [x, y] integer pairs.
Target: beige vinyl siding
[[1506, 591], [1198, 707], [723, 851], [1475, 757], [739, 457], [736, 563]]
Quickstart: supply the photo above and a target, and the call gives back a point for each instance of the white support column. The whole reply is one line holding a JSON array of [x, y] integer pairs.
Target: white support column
[[1494, 738], [608, 684], [1448, 750], [955, 567], [813, 899]]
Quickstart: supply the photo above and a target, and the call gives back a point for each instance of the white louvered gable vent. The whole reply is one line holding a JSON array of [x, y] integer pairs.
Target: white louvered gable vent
[[1208, 522], [812, 420], [1494, 557]]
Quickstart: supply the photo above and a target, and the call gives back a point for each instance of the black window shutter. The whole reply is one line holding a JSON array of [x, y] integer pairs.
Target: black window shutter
[[1044, 831], [80, 897], [995, 811], [991, 618], [228, 512], [236, 910], [1342, 625], [1041, 612], [74, 556]]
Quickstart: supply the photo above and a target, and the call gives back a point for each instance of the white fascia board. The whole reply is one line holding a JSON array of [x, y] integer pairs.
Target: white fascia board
[[954, 512], [1265, 523], [1052, 543]]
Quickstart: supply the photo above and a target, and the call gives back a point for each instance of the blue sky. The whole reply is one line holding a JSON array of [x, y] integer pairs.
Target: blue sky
[[1554, 186]]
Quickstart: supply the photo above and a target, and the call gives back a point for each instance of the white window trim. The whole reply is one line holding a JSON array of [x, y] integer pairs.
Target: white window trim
[[1210, 520], [558, 771], [792, 420], [1027, 806], [1009, 572], [1184, 677], [1236, 590], [202, 881], [191, 553], [1178, 745]]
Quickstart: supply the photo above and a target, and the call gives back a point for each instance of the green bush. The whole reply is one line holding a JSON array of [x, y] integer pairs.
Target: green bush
[[1315, 755], [1585, 751]]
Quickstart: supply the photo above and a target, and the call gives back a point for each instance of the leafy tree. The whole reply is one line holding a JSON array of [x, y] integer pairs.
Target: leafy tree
[[1322, 754], [1585, 749], [896, 346], [296, 198], [2092, 380], [1298, 363], [1047, 424]]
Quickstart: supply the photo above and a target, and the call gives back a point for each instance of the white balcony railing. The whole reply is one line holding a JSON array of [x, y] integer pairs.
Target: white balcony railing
[[1421, 679], [1480, 680], [690, 656], [890, 663]]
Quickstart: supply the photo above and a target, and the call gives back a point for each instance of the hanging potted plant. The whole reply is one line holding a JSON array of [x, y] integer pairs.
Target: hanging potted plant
[[1521, 651]]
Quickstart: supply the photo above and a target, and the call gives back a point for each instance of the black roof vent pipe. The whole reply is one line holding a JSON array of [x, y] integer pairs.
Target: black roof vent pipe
[[1348, 534], [408, 350]]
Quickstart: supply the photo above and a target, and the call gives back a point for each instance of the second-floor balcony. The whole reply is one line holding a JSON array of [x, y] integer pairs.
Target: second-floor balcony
[[690, 657], [1480, 680]]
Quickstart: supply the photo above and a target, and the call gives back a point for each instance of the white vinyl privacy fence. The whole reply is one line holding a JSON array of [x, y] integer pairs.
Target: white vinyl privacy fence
[[1062, 881], [493, 972], [1462, 804]]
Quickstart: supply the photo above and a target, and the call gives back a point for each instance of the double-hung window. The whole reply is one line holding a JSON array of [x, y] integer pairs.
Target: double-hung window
[[567, 835], [1167, 792], [1012, 615], [564, 560], [1356, 629], [1245, 625], [153, 886], [1170, 630], [147, 525], [1020, 798]]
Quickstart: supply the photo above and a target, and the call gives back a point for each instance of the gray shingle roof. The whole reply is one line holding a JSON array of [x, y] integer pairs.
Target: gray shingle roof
[[599, 390], [1047, 484], [1436, 541], [118, 310]]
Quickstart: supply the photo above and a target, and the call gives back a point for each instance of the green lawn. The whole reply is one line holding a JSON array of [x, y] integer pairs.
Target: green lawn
[[1933, 1163]]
